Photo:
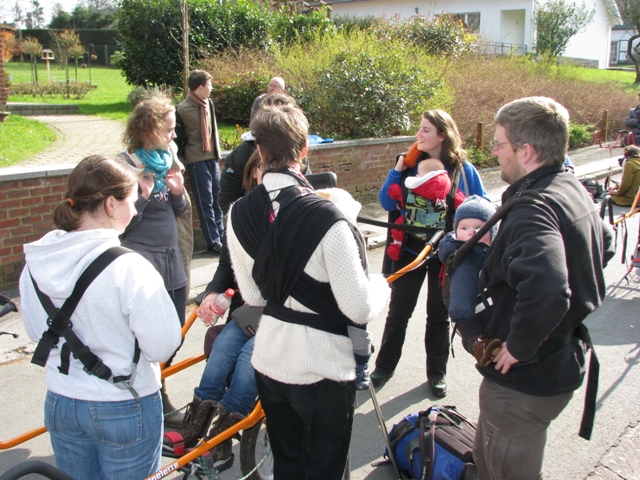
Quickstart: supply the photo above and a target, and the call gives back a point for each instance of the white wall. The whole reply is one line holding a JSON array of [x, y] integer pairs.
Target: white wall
[[595, 42], [502, 21]]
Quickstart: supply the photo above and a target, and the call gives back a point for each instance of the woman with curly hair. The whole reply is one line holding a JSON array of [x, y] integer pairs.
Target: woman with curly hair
[[161, 231]]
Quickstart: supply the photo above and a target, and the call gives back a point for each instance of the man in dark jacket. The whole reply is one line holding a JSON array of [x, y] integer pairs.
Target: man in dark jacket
[[633, 120], [544, 275]]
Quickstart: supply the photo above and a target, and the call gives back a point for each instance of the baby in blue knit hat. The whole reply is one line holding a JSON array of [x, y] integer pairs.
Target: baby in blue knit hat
[[470, 216]]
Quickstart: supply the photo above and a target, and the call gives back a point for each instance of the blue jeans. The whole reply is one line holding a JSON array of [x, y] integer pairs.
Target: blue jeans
[[205, 184], [105, 440], [231, 353]]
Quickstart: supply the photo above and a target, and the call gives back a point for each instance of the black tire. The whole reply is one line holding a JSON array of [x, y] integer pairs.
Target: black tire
[[34, 467], [253, 446]]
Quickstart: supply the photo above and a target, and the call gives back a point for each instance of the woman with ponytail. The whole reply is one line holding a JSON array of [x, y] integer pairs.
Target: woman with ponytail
[[437, 137], [97, 429]]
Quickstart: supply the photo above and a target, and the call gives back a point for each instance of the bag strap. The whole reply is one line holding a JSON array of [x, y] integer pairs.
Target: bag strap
[[428, 445], [590, 397], [59, 321], [521, 197], [451, 197]]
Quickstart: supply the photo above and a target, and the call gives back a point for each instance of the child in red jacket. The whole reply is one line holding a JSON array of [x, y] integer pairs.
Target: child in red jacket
[[431, 182]]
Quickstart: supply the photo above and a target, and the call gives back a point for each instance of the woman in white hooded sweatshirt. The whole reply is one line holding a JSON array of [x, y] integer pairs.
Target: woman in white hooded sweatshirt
[[98, 430]]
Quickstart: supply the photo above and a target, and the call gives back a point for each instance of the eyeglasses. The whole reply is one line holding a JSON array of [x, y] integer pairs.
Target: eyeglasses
[[495, 144]]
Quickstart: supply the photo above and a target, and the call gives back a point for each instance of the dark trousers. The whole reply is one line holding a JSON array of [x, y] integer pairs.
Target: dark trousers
[[309, 427], [205, 184], [404, 296]]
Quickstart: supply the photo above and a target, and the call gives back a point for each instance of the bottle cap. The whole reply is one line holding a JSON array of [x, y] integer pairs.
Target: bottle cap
[[229, 292]]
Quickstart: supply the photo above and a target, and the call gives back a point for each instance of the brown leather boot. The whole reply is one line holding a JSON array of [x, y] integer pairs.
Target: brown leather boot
[[226, 419], [485, 349], [196, 421]]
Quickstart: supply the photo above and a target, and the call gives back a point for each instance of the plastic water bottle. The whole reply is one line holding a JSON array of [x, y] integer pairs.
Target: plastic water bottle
[[221, 304]]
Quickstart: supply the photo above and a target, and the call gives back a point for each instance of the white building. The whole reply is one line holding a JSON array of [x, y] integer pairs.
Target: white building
[[620, 36], [502, 22]]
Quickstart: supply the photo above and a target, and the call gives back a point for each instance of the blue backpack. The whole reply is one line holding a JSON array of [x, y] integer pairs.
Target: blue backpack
[[436, 444]]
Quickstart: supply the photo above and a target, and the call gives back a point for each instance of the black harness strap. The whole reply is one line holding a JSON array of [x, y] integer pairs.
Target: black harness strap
[[590, 397], [60, 325]]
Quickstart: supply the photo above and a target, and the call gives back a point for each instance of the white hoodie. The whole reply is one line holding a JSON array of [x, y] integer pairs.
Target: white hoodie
[[126, 301]]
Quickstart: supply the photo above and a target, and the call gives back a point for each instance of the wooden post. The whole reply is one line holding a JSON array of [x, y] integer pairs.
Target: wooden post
[[480, 136], [605, 124]]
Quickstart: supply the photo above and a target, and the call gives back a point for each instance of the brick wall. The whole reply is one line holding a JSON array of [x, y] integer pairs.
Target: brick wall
[[29, 195]]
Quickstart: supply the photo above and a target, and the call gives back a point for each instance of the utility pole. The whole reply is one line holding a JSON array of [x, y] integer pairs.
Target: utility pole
[[184, 10]]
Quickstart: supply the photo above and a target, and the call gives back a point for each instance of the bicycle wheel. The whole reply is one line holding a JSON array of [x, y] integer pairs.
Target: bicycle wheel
[[254, 445], [34, 467]]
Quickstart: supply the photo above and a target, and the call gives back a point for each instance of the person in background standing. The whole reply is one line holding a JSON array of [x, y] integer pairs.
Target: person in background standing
[[199, 149], [276, 85]]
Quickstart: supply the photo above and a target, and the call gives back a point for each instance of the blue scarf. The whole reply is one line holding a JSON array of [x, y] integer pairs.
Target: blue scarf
[[157, 162]]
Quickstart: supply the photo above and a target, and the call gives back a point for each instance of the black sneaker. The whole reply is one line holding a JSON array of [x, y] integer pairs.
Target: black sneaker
[[362, 376], [378, 378], [438, 387], [215, 247]]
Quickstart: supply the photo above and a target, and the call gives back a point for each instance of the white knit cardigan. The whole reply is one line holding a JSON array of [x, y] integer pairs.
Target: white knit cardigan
[[301, 355]]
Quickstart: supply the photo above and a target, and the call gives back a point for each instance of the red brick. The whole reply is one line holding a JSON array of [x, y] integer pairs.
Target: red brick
[[18, 212], [14, 222]]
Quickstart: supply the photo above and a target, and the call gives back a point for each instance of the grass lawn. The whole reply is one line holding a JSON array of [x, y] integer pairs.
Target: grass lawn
[[108, 100], [13, 147]]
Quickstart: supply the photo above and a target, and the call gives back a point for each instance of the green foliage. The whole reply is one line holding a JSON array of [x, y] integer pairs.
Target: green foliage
[[481, 158], [352, 85], [580, 135], [443, 35], [75, 90], [83, 16], [556, 22], [288, 28], [234, 98]]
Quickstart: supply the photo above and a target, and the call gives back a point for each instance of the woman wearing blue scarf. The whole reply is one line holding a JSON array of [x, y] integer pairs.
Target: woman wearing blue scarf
[[154, 230]]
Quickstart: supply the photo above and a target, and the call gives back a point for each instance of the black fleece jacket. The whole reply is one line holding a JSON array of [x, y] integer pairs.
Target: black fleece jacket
[[544, 272]]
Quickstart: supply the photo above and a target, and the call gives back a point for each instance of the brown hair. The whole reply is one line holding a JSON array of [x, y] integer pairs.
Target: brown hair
[[198, 78], [452, 155], [93, 180], [146, 122], [281, 134], [539, 121], [248, 182]]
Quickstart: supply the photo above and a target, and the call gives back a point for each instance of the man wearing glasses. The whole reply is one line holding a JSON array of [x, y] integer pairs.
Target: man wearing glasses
[[543, 274]]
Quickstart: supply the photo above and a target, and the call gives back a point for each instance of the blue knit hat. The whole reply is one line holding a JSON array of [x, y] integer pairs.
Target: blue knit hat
[[475, 207]]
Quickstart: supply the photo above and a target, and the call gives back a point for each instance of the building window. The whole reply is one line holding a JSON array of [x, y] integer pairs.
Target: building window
[[613, 54], [471, 21]]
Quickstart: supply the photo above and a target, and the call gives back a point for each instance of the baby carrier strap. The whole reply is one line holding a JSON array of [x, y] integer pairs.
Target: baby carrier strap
[[59, 321], [282, 249]]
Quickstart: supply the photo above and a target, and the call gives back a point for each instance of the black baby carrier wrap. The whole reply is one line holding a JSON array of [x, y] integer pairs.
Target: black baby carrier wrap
[[282, 249]]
